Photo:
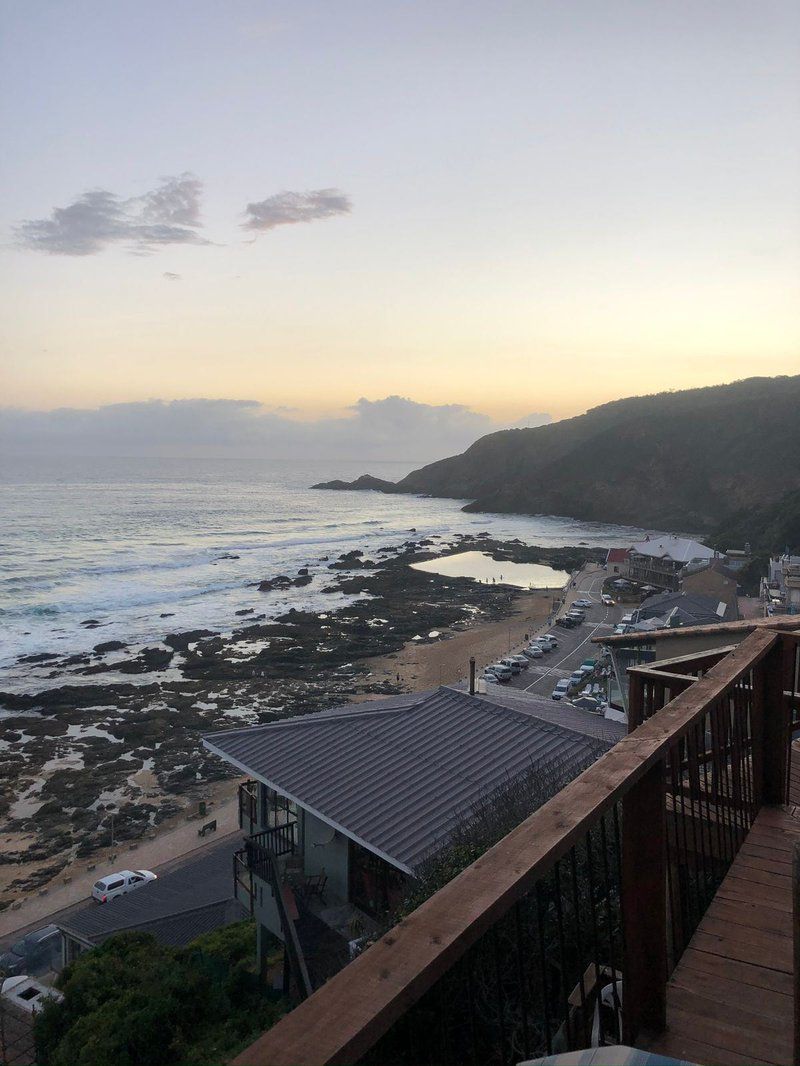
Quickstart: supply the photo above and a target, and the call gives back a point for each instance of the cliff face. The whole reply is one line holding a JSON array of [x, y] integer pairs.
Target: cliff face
[[701, 459]]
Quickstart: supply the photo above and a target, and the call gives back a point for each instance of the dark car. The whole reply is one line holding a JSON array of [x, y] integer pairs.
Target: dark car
[[36, 953], [566, 622]]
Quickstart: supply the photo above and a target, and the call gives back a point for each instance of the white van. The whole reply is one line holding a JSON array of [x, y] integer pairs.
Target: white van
[[108, 888]]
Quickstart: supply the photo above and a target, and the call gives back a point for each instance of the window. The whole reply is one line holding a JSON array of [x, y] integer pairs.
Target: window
[[115, 884], [275, 809], [375, 886]]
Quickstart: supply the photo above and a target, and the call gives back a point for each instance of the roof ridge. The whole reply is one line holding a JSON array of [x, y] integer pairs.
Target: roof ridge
[[352, 710]]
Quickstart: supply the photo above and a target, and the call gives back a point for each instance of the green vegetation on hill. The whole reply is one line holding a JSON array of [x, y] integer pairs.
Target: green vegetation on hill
[[717, 460], [135, 1002]]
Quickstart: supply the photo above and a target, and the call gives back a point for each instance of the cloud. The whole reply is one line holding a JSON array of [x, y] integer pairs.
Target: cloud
[[171, 277], [289, 208], [391, 428], [167, 214]]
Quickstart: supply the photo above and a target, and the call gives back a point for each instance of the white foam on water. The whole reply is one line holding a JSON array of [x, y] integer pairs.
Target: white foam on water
[[127, 541]]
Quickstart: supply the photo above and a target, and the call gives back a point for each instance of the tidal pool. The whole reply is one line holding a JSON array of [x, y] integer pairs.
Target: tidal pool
[[482, 567]]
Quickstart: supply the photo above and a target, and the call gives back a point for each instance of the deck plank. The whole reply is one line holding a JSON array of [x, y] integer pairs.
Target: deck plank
[[730, 998]]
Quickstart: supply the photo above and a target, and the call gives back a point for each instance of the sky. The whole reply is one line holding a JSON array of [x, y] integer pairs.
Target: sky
[[492, 208]]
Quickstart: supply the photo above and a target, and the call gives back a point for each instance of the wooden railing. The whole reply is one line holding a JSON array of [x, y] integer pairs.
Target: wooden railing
[[599, 887]]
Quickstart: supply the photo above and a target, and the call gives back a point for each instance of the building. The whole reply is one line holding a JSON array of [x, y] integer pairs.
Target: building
[[738, 558], [181, 905], [617, 561], [714, 579], [659, 561], [670, 609], [662, 872], [780, 590], [344, 805]]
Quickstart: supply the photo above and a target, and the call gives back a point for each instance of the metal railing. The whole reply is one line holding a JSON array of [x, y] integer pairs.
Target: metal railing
[[276, 842], [526, 951], [248, 805]]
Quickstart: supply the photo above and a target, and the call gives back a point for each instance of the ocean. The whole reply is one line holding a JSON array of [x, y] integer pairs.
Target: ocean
[[146, 547]]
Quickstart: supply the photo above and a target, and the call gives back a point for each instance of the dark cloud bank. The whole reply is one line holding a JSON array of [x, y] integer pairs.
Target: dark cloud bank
[[392, 428]]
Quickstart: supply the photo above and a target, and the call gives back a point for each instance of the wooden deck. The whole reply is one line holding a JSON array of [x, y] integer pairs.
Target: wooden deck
[[730, 999]]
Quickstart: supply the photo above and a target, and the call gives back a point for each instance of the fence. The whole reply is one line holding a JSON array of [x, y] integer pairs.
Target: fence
[[523, 952]]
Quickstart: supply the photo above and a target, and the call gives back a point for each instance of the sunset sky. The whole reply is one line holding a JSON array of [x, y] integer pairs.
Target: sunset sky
[[514, 206]]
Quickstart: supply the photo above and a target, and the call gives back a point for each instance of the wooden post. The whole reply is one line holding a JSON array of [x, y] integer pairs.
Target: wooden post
[[635, 701], [644, 905], [776, 732]]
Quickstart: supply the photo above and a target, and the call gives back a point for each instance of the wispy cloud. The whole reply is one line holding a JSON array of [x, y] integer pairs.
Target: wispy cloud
[[168, 274], [289, 208], [98, 219], [391, 428]]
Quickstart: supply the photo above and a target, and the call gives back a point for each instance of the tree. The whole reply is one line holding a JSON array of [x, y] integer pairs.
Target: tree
[[135, 1002]]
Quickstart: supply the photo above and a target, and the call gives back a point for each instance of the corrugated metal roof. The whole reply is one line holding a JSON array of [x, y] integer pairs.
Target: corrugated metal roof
[[680, 549], [180, 894], [397, 780], [562, 714]]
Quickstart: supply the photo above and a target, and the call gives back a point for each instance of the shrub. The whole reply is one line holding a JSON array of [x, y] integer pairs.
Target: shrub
[[135, 1002]]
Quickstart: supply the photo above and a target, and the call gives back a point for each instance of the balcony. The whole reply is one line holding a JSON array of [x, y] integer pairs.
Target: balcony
[[649, 902], [256, 859]]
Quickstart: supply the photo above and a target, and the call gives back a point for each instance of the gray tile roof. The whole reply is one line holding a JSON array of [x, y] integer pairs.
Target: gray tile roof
[[397, 780], [194, 897]]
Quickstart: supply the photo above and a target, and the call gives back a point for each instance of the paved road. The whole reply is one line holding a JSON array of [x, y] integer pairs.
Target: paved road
[[229, 840], [574, 645]]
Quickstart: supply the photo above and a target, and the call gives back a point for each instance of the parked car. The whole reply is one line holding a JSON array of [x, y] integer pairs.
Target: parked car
[[119, 884], [542, 645], [588, 703], [490, 677], [36, 953], [561, 689], [534, 651], [583, 603], [511, 663], [501, 672], [588, 666], [566, 622], [522, 660], [576, 678], [576, 618], [551, 640]]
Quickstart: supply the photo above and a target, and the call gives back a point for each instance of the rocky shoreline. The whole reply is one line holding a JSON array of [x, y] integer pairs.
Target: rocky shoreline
[[116, 732]]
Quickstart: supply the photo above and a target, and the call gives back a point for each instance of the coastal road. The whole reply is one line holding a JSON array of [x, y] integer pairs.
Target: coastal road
[[231, 841], [574, 645]]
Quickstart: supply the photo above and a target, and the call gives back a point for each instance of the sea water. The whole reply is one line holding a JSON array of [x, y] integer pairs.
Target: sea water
[[147, 547]]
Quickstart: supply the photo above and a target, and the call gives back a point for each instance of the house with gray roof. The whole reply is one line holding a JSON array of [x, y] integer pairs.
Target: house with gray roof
[[342, 806], [683, 609]]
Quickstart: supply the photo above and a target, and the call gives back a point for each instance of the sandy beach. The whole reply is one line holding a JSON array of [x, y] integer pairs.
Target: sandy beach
[[446, 661]]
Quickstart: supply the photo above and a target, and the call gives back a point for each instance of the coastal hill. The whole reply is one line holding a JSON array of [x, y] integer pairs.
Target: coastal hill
[[723, 459]]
